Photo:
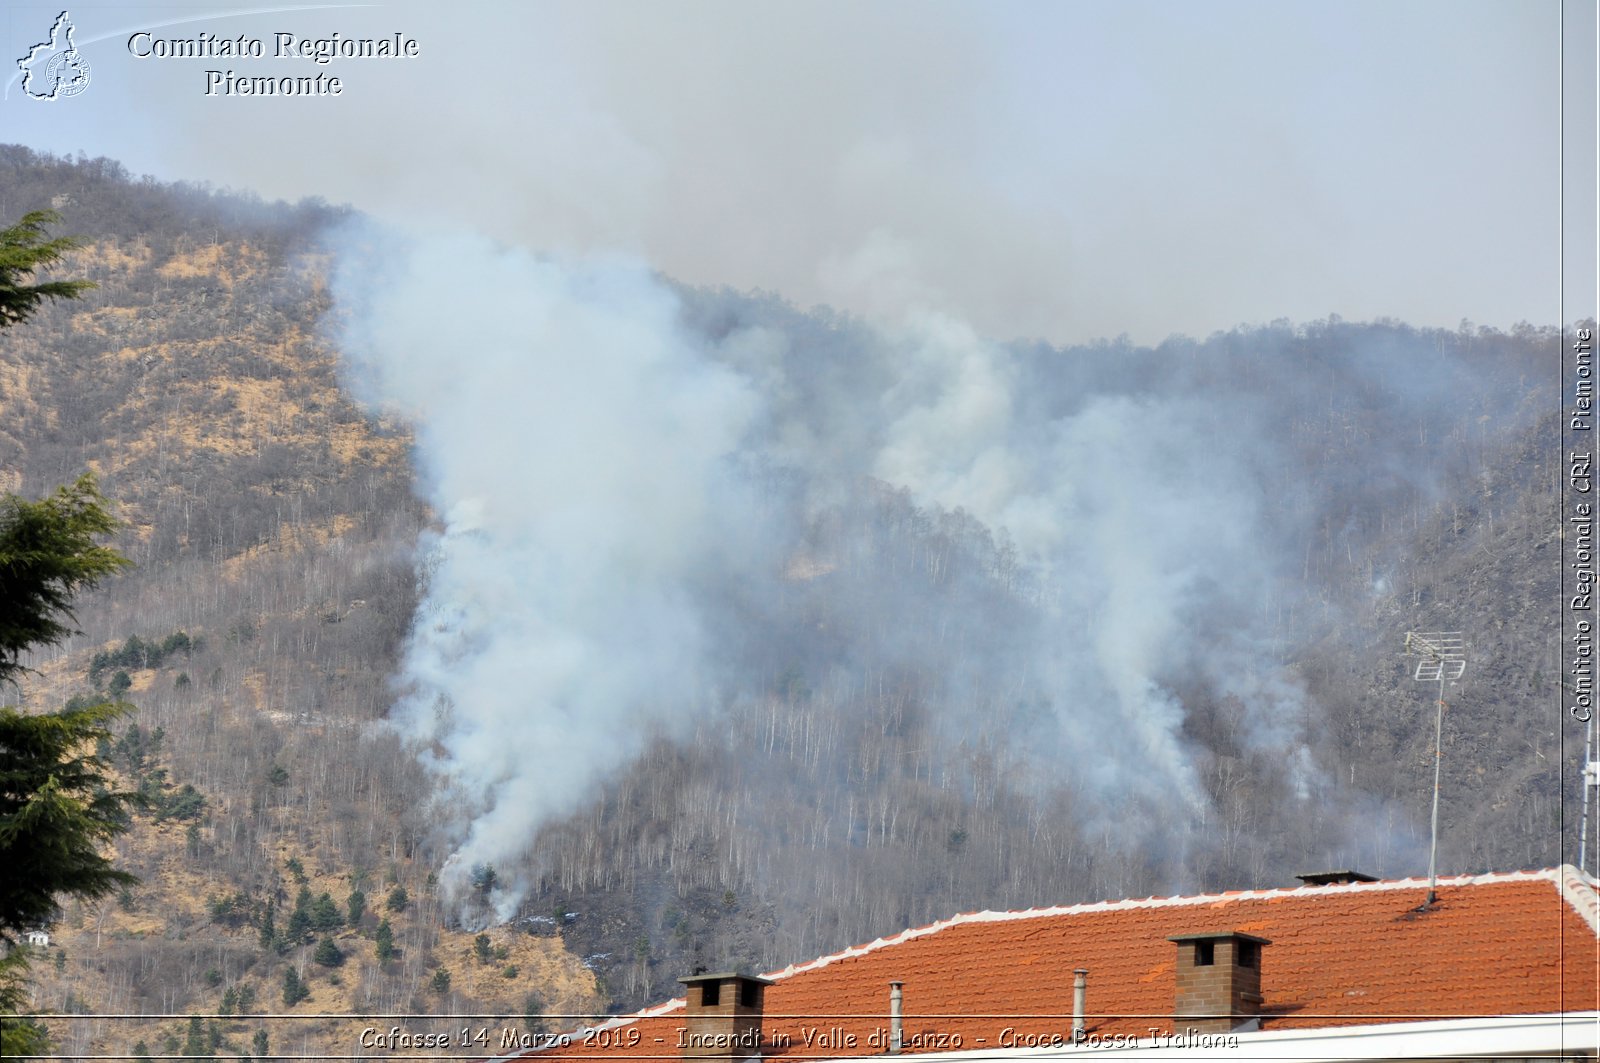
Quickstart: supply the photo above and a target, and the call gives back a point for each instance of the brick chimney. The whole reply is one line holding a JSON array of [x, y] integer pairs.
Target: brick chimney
[[722, 1017], [1219, 980]]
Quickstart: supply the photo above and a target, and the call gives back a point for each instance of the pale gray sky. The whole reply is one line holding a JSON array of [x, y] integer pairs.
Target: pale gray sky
[[1065, 170]]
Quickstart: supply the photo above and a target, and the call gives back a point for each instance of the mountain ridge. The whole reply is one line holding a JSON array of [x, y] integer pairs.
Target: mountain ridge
[[274, 520]]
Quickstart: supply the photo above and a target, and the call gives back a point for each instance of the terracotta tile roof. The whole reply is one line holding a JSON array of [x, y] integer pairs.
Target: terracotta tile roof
[[1502, 944]]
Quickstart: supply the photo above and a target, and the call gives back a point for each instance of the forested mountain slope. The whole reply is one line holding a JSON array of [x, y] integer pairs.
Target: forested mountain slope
[[894, 733], [272, 529]]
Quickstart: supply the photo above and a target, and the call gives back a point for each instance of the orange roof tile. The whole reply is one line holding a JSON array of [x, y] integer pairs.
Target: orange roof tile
[[1502, 944]]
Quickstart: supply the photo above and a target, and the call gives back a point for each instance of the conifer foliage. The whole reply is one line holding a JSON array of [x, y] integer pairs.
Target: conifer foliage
[[24, 248], [56, 809]]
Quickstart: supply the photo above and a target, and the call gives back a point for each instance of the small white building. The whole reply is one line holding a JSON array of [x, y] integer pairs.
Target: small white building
[[38, 939]]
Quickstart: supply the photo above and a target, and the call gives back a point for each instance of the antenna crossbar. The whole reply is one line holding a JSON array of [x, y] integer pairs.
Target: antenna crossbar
[[1441, 655]]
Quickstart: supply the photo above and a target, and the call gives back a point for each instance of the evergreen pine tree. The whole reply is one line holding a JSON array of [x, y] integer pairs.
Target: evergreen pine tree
[[194, 1045], [325, 914], [269, 926], [299, 928], [56, 809], [294, 990], [357, 906], [23, 250], [384, 939], [328, 953]]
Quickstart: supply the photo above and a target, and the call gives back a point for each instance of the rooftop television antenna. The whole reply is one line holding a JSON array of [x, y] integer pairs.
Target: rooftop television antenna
[[1442, 658], [1591, 785]]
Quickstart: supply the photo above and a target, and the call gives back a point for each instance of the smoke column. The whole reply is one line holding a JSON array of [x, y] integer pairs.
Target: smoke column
[[625, 472], [576, 447]]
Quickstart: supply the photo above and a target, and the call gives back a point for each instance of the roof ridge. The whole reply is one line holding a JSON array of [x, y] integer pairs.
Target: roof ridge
[[1575, 886], [1557, 876]]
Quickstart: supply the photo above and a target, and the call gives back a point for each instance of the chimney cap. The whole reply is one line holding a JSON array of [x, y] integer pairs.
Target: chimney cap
[[723, 977], [1333, 878], [1217, 935]]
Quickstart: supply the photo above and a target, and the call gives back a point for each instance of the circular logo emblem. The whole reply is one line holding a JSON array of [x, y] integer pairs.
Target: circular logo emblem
[[67, 73]]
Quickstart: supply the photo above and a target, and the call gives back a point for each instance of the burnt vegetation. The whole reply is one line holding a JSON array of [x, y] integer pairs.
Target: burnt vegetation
[[274, 530]]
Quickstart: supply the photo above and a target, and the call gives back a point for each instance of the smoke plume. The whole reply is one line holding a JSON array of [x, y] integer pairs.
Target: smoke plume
[[642, 489], [578, 449]]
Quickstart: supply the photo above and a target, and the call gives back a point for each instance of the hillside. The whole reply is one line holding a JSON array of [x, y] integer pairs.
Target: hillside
[[894, 731], [271, 524]]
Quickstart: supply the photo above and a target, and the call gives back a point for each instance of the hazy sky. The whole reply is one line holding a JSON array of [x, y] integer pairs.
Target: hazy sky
[[1066, 170]]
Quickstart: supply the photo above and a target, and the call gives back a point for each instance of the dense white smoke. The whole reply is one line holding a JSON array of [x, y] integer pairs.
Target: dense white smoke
[[577, 447], [1110, 505], [617, 486]]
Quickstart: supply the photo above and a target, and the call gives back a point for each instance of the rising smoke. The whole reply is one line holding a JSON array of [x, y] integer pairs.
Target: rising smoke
[[579, 450], [628, 476]]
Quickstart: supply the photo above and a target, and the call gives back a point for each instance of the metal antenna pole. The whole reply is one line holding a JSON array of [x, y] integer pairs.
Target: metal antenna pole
[[1591, 780], [1441, 655], [1438, 764], [1588, 785]]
